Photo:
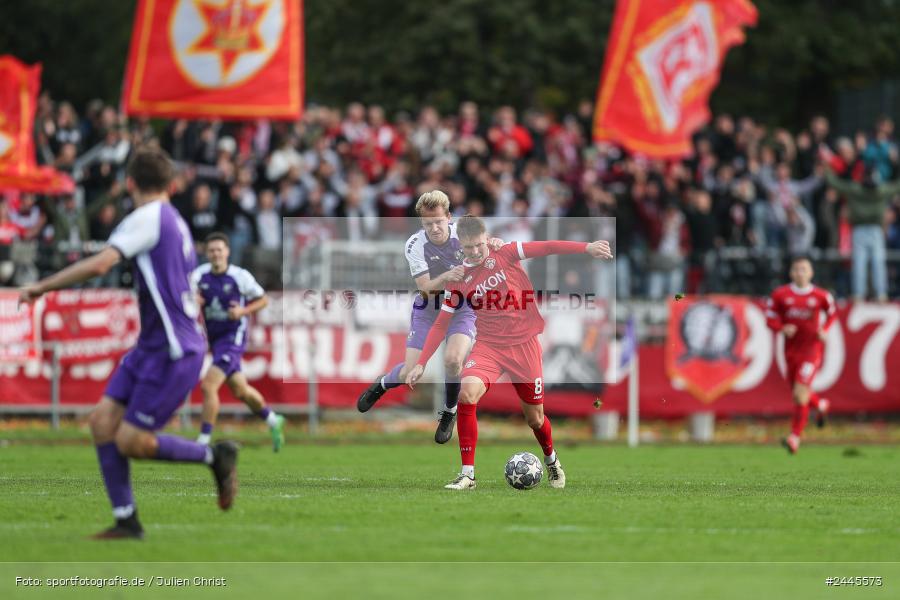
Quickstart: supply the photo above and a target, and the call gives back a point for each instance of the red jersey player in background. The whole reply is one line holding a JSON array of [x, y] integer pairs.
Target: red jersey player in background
[[803, 313], [508, 322]]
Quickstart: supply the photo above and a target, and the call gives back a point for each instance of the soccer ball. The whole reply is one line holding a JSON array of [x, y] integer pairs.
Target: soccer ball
[[524, 471]]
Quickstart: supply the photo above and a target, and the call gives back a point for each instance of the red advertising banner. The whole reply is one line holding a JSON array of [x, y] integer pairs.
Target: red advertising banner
[[19, 88], [859, 372], [20, 338], [663, 60], [228, 59]]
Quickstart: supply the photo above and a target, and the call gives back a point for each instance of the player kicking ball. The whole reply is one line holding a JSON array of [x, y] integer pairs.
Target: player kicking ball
[[229, 294], [154, 377], [434, 258], [803, 313], [497, 287]]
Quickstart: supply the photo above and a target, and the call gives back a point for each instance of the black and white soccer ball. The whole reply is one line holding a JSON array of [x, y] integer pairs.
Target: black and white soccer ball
[[524, 471]]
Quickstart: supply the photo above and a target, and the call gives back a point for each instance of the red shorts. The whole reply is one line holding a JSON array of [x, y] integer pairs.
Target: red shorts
[[803, 369], [523, 363]]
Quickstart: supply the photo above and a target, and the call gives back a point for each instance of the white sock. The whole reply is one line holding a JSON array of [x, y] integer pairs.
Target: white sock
[[123, 512], [549, 460], [452, 410], [272, 419], [468, 470], [204, 438], [209, 456]]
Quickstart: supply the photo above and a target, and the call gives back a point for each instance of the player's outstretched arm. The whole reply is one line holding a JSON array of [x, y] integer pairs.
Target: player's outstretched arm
[[598, 249], [88, 268]]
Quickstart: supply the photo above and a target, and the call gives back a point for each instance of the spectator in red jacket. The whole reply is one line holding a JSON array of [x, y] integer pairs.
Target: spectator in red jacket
[[507, 137]]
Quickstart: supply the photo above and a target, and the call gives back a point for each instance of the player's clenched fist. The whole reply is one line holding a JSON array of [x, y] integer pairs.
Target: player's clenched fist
[[28, 294], [789, 330], [455, 274], [414, 375], [599, 249]]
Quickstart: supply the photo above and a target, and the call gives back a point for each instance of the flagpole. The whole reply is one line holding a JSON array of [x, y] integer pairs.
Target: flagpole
[[633, 410]]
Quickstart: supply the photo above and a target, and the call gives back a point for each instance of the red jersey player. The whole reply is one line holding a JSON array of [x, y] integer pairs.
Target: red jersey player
[[803, 313], [508, 322]]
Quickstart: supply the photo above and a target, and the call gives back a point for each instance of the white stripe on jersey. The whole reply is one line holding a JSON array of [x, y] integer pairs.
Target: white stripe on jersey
[[146, 268]]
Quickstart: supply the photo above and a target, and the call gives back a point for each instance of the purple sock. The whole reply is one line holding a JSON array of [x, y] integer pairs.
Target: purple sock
[[117, 477], [392, 379], [179, 449], [264, 413], [206, 428]]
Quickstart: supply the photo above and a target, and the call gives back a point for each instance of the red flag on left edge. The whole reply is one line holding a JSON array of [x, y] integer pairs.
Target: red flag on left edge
[[19, 87]]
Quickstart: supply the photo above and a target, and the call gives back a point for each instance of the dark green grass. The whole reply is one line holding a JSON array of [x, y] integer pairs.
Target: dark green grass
[[386, 503]]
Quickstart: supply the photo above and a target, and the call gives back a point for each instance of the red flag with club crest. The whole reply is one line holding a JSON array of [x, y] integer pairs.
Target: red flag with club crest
[[663, 60], [228, 59], [19, 88]]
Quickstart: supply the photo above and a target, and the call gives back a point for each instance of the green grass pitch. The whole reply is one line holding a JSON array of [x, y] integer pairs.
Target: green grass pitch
[[669, 521]]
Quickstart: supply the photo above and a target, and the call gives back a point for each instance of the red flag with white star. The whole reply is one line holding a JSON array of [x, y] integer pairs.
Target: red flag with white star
[[225, 59]]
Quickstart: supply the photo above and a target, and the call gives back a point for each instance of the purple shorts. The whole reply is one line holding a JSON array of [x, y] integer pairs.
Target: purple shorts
[[227, 356], [420, 323], [152, 386]]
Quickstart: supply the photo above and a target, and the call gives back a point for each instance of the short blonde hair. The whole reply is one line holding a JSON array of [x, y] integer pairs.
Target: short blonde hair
[[432, 200]]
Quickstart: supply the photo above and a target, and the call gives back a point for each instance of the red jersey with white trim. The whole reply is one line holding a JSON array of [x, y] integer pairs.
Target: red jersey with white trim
[[503, 297], [811, 309]]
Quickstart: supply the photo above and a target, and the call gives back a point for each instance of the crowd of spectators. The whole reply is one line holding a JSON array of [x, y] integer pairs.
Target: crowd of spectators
[[723, 219]]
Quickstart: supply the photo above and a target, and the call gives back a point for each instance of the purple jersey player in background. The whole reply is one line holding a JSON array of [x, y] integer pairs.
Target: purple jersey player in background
[[435, 258], [229, 294], [154, 378]]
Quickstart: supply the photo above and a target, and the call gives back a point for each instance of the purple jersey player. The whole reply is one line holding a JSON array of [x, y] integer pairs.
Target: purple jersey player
[[229, 294], [435, 258], [154, 378]]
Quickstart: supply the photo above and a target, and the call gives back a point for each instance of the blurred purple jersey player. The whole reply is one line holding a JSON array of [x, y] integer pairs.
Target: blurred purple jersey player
[[154, 378], [435, 258], [229, 294]]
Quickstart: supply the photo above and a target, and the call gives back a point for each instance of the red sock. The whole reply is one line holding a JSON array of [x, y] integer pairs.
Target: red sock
[[467, 432], [544, 436], [801, 416], [813, 400]]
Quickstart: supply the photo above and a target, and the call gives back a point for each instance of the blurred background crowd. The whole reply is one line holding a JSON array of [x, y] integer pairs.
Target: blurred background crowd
[[724, 219]]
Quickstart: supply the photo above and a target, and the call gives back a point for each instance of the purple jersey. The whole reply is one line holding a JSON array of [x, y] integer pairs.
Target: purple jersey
[[159, 241], [424, 256], [219, 292]]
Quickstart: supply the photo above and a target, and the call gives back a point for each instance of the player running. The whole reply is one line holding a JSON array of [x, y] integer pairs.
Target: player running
[[154, 377], [229, 294], [496, 285], [803, 312], [434, 258]]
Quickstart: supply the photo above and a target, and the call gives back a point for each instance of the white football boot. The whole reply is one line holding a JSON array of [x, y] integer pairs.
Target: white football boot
[[462, 482], [555, 474]]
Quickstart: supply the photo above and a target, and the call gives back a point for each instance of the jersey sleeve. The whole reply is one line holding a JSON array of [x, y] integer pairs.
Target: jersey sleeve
[[829, 308], [247, 285], [138, 232], [415, 256], [526, 250], [453, 297], [773, 313], [196, 274]]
